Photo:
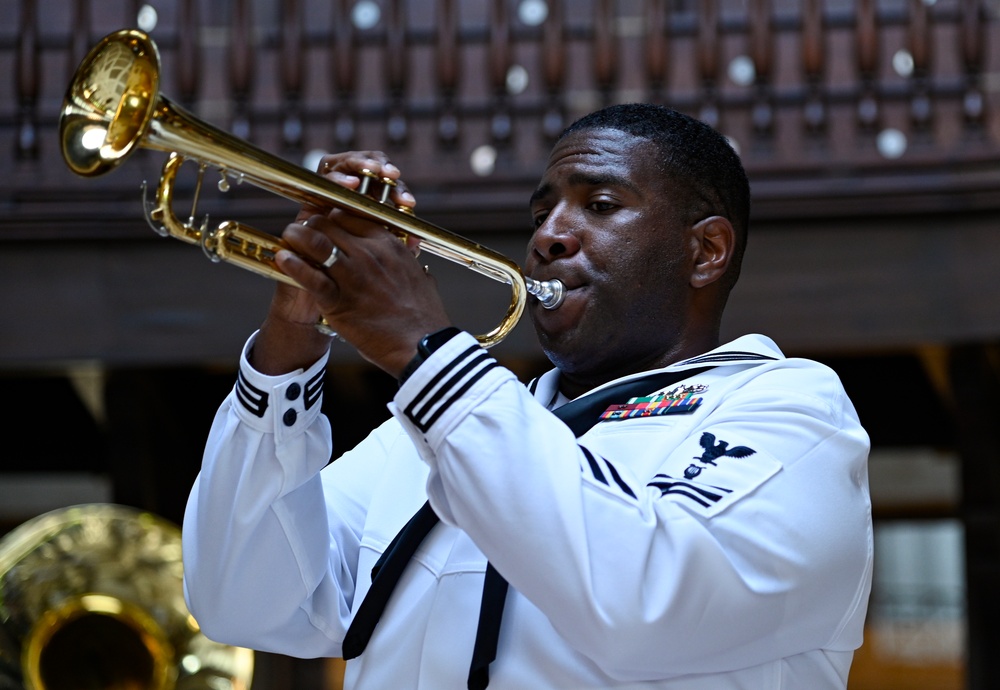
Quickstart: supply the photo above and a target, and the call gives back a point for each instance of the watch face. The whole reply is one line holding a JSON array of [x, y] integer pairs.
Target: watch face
[[432, 341]]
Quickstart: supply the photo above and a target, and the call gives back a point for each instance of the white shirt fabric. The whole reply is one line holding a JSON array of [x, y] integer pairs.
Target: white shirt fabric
[[635, 558]]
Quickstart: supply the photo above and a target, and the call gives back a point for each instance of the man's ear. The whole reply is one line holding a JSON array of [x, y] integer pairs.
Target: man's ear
[[715, 243]]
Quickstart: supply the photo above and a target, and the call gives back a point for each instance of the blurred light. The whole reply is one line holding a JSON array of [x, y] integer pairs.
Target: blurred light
[[532, 12], [973, 104], [291, 128], [366, 14], [742, 71], [147, 18], [517, 80], [483, 160], [902, 62], [868, 111], [891, 143]]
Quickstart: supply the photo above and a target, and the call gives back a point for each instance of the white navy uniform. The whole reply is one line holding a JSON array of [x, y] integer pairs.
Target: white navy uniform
[[724, 545]]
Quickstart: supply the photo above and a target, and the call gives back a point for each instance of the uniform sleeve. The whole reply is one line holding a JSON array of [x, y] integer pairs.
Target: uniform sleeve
[[708, 561], [270, 537]]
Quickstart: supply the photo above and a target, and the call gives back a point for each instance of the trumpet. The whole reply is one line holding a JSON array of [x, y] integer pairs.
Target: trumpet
[[113, 106]]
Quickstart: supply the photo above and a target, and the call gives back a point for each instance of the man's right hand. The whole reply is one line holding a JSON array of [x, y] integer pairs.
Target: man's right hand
[[288, 339]]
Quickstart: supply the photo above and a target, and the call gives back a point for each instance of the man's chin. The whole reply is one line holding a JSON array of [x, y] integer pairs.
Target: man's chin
[[560, 324], [561, 349]]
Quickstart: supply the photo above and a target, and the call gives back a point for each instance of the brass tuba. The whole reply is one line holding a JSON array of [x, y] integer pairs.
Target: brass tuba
[[91, 598], [113, 106]]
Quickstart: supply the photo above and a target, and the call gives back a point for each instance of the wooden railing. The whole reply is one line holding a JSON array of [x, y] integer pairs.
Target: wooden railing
[[838, 106]]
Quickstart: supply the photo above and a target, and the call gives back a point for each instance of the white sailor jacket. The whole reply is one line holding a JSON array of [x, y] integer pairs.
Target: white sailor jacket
[[715, 535]]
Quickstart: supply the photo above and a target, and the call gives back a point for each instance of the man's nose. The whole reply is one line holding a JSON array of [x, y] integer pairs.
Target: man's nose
[[556, 237]]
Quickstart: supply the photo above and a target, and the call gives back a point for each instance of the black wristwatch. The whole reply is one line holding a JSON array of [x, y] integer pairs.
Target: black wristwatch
[[426, 347]]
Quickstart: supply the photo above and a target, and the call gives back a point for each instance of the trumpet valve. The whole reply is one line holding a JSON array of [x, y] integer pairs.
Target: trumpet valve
[[387, 185], [366, 180]]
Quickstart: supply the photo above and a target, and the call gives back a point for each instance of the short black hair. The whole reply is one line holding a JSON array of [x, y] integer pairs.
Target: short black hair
[[694, 157]]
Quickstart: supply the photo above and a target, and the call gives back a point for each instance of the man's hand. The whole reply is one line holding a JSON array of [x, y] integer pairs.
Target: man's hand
[[374, 293]]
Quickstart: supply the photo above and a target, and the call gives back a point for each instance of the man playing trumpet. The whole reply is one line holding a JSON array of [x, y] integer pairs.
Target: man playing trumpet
[[660, 510]]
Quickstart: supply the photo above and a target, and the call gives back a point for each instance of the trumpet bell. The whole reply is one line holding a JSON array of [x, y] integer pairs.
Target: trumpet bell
[[91, 596], [110, 103]]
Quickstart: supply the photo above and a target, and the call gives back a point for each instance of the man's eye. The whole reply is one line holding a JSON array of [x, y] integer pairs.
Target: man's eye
[[602, 206], [539, 219]]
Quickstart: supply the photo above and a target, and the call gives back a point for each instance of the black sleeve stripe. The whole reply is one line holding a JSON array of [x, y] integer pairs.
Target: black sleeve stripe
[[618, 480], [314, 389], [441, 392], [432, 384], [667, 487], [672, 480], [595, 469], [253, 399], [446, 387], [533, 386], [456, 395], [704, 504]]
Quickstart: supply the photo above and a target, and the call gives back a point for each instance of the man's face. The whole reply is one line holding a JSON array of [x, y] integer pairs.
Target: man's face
[[605, 226]]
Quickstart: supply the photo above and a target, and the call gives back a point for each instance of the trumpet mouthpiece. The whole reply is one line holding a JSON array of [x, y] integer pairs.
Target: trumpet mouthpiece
[[549, 293]]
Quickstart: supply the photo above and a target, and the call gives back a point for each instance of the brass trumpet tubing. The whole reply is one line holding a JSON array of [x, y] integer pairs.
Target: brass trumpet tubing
[[253, 250], [163, 212], [247, 248], [172, 129], [231, 241]]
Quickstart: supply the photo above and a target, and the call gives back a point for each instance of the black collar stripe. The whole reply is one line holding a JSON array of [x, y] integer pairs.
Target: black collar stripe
[[595, 469], [618, 479], [728, 356]]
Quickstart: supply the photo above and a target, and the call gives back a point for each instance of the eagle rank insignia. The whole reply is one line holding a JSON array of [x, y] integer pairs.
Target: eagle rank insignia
[[679, 400]]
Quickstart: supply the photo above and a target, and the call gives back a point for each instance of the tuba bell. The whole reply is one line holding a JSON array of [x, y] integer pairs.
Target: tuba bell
[[113, 106], [91, 598]]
